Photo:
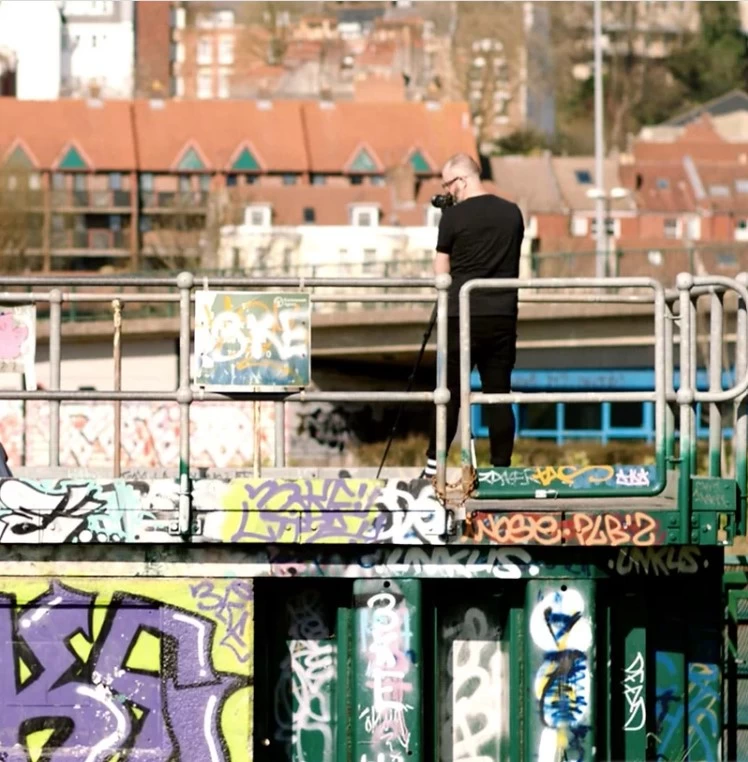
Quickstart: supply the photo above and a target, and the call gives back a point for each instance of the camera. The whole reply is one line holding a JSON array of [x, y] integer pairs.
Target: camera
[[442, 200]]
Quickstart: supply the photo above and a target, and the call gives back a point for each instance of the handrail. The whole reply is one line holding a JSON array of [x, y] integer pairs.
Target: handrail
[[468, 396]]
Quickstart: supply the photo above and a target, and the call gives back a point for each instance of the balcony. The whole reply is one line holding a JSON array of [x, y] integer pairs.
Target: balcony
[[175, 201], [103, 200], [91, 242], [21, 199]]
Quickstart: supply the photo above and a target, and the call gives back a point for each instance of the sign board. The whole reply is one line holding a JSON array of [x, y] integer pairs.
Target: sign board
[[18, 341], [252, 341]]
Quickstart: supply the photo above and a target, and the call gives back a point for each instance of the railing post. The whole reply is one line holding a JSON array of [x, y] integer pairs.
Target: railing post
[[669, 385], [685, 399], [117, 358], [185, 281], [441, 393], [740, 434], [55, 340], [715, 382]]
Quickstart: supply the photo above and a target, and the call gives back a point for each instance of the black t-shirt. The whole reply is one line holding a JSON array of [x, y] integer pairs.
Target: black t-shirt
[[482, 236]]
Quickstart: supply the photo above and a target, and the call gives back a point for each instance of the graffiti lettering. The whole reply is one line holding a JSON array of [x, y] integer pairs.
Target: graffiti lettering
[[658, 561], [475, 701], [704, 709], [572, 476], [589, 529], [109, 703], [307, 676], [632, 477], [231, 607], [633, 691], [560, 629], [387, 671]]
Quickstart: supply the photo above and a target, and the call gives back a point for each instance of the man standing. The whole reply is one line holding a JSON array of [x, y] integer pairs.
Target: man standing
[[479, 237]]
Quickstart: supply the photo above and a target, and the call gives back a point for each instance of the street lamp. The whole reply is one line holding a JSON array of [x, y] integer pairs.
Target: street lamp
[[604, 200]]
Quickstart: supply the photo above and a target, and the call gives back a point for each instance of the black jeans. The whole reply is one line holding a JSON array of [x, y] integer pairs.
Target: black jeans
[[493, 349]]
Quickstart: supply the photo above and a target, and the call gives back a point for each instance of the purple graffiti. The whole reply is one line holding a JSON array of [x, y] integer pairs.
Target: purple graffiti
[[104, 705], [231, 607], [289, 510]]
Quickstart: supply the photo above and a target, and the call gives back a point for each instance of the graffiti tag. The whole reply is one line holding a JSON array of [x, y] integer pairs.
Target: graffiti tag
[[633, 691], [232, 608]]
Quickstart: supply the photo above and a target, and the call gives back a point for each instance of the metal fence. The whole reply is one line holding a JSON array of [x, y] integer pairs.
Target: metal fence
[[670, 307]]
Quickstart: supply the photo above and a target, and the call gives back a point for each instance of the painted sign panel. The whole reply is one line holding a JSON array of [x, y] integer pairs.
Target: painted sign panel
[[18, 341], [252, 341]]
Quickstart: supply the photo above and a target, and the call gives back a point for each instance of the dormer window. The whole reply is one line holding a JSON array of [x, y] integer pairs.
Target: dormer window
[[364, 215], [258, 216]]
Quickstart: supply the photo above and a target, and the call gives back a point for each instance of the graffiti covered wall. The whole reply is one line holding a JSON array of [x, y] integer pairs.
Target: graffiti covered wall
[[91, 668]]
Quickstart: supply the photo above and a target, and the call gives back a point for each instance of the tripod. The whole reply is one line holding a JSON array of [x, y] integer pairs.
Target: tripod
[[411, 379]]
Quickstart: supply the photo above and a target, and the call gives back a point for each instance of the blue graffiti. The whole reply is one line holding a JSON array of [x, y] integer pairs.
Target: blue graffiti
[[669, 703], [704, 707]]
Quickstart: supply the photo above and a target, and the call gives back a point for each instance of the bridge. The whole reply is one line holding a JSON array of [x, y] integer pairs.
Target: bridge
[[266, 614]]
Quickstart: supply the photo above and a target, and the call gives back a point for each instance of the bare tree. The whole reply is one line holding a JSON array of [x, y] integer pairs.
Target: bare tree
[[21, 221]]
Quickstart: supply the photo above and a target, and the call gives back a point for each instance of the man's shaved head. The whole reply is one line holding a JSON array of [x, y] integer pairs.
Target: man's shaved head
[[461, 164]]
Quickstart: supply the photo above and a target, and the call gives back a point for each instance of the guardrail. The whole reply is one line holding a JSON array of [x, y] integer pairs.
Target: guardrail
[[180, 290]]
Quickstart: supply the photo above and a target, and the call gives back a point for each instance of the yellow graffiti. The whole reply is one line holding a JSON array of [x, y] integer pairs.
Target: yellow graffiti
[[150, 650], [316, 511], [568, 475]]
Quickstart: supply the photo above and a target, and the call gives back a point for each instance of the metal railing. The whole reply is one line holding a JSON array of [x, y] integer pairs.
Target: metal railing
[[689, 290], [670, 306]]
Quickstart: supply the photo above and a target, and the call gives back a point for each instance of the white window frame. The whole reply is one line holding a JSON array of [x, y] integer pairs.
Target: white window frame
[[258, 215], [203, 90], [360, 211], [580, 226], [224, 83], [226, 49], [224, 19], [741, 229], [204, 50], [672, 234]]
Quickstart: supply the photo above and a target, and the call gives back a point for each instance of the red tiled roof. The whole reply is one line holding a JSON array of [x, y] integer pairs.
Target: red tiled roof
[[678, 196], [390, 130], [100, 130], [218, 128]]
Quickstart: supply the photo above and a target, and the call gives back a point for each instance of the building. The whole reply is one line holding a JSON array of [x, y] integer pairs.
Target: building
[[70, 48], [149, 183], [155, 48]]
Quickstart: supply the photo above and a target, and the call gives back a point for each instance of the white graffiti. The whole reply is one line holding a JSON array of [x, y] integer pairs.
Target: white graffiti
[[632, 477], [476, 670], [662, 561], [52, 515], [451, 562], [516, 477], [387, 671], [413, 519], [633, 690], [311, 668], [562, 632]]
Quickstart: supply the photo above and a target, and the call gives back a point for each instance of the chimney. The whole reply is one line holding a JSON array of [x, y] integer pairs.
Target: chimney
[[402, 182]]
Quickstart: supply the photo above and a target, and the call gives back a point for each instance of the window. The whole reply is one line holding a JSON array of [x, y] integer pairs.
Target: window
[[231, 181], [115, 181], [741, 186], [257, 215], [12, 182], [539, 417], [79, 182], [226, 49], [583, 176], [357, 179], [318, 179], [377, 180], [178, 86], [671, 228], [224, 83], [611, 227], [205, 50], [663, 183], [180, 56], [35, 181], [309, 215], [626, 415], [180, 18], [719, 190], [584, 416], [205, 84], [289, 179], [146, 181], [58, 181], [115, 222], [224, 19], [185, 184], [145, 224], [579, 226], [364, 216], [58, 223]]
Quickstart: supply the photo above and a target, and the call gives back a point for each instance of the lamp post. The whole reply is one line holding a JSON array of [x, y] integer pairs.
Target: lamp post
[[601, 237], [603, 201]]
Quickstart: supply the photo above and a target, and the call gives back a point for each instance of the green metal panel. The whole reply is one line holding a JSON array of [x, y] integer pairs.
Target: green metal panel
[[345, 662], [517, 686], [560, 659], [387, 670], [632, 620], [669, 731]]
